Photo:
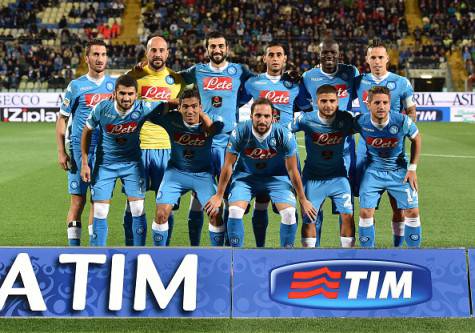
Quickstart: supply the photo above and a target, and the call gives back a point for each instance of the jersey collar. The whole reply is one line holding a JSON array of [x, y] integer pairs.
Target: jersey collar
[[120, 113], [330, 75], [218, 69], [96, 81], [273, 78], [380, 78], [381, 126], [324, 120], [259, 137]]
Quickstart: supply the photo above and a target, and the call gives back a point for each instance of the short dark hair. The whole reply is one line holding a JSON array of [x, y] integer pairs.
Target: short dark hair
[[126, 81], [190, 93], [375, 90], [261, 101], [329, 41], [93, 42], [275, 44], [327, 89], [215, 34], [376, 43]]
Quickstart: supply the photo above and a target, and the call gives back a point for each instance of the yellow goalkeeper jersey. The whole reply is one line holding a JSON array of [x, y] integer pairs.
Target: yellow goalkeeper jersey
[[156, 86]]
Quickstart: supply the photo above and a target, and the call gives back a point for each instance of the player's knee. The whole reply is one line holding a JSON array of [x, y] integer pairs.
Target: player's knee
[[101, 210], [161, 215], [366, 213], [236, 212], [398, 215], [412, 213], [137, 208], [77, 202], [288, 216]]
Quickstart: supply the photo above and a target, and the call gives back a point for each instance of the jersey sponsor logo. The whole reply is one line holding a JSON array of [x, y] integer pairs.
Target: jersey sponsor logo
[[351, 284], [190, 139], [342, 90], [217, 83], [93, 99], [327, 139], [259, 153], [275, 96], [382, 142], [124, 128], [156, 93]]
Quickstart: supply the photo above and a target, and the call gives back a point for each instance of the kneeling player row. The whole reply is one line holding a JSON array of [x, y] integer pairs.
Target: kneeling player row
[[261, 160]]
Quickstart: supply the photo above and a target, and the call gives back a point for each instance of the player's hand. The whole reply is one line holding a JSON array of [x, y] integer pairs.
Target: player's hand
[[63, 160], [411, 177], [308, 209], [86, 173], [212, 206], [291, 76], [140, 66]]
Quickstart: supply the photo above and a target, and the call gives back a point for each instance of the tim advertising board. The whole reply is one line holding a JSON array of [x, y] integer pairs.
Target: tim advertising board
[[29, 107], [350, 283]]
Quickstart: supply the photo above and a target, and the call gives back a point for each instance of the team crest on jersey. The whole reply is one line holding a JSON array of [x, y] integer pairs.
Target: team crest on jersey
[[169, 79], [109, 86], [391, 85], [135, 115], [344, 76], [217, 101], [288, 84], [273, 142], [393, 129], [74, 185], [231, 70]]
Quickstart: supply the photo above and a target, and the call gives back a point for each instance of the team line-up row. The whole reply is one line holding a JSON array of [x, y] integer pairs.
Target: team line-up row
[[137, 136]]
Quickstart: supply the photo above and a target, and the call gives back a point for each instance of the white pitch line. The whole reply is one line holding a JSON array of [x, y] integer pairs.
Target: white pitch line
[[433, 155]]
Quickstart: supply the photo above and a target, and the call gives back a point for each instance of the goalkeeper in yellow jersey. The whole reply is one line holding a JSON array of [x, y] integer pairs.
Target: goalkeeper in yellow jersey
[[156, 82]]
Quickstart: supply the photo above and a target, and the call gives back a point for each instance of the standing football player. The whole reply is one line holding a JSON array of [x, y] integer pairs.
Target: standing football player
[[267, 165], [81, 96], [401, 101], [384, 132]]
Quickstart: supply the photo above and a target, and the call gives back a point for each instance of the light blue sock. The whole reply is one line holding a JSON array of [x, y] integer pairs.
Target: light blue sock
[[318, 227], [235, 232], [139, 230], [398, 233], [260, 220], [160, 234], [99, 232], [216, 235], [287, 235], [74, 233], [412, 231], [195, 225], [366, 232], [171, 223], [128, 233]]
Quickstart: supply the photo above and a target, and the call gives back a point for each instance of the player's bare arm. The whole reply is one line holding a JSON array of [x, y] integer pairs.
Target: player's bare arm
[[85, 143], [411, 175], [294, 175], [63, 158], [411, 112], [212, 206]]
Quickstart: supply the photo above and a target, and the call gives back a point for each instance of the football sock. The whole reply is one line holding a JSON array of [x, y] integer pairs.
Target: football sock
[[195, 222], [99, 224], [309, 242], [74, 233], [288, 227], [235, 226], [216, 235], [412, 231], [160, 233], [366, 232], [347, 242], [128, 234], [171, 223], [398, 233], [260, 221]]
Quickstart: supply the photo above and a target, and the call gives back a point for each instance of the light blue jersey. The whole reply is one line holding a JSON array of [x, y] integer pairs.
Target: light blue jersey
[[282, 94], [119, 134], [343, 80]]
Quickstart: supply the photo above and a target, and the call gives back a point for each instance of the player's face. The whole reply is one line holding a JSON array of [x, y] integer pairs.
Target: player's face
[[329, 55], [379, 107], [157, 53], [217, 50], [125, 96], [261, 118], [96, 59], [190, 109], [327, 104], [275, 60], [377, 58]]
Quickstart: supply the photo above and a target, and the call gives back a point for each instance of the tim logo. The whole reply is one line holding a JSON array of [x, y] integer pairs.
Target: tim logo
[[93, 99], [156, 93], [217, 83], [382, 142], [327, 139], [259, 153], [121, 128], [275, 96], [351, 284], [188, 139], [342, 90]]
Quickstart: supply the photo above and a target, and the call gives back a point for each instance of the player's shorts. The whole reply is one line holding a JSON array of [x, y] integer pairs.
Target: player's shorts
[[360, 167], [76, 186], [218, 152], [155, 163], [375, 182], [104, 177], [338, 189], [245, 186], [177, 182]]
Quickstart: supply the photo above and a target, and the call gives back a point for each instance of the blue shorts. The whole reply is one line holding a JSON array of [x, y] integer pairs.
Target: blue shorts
[[245, 186], [177, 182], [338, 189], [76, 185], [155, 163], [104, 177], [375, 182], [218, 152]]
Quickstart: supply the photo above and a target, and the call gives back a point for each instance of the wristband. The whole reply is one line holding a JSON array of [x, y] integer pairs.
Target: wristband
[[412, 167]]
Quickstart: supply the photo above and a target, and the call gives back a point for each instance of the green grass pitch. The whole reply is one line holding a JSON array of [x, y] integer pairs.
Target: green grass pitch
[[34, 201]]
